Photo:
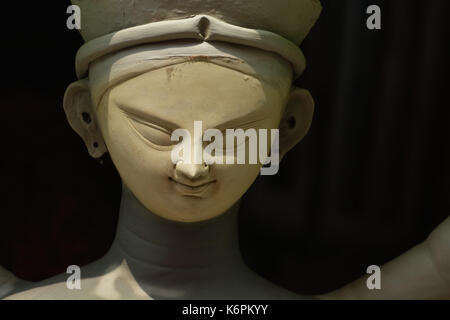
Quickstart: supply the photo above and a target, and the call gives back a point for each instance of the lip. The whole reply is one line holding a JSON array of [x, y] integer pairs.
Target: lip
[[191, 190]]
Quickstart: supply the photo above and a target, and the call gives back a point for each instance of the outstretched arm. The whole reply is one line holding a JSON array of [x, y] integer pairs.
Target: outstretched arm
[[421, 273]]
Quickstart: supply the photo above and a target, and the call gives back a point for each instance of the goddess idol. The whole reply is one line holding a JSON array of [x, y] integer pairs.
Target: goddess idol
[[150, 67]]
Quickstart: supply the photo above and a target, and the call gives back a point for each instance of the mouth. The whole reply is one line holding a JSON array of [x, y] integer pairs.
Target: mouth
[[191, 190]]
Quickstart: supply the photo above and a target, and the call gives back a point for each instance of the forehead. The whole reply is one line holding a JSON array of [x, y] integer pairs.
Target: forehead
[[193, 91]]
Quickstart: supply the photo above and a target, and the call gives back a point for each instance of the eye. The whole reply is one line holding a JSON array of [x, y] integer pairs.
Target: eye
[[153, 133]]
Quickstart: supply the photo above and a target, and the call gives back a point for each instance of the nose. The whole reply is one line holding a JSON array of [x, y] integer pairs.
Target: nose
[[191, 171]]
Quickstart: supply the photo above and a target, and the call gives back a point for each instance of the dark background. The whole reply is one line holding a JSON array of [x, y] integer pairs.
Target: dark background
[[370, 181]]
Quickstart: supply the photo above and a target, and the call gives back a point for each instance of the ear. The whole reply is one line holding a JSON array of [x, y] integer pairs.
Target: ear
[[297, 119], [81, 116]]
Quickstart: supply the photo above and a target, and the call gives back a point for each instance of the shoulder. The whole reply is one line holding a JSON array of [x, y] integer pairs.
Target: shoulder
[[439, 246], [8, 282], [110, 284]]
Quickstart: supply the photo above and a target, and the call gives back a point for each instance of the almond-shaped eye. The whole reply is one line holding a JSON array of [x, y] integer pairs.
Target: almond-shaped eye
[[154, 134]]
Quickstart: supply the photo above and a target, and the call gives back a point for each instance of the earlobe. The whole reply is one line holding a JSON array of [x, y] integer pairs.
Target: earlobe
[[80, 114], [297, 119]]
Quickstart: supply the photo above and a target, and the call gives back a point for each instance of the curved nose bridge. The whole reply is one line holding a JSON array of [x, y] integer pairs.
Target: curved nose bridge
[[191, 171]]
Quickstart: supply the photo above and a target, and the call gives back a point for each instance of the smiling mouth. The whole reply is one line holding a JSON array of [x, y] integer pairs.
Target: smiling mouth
[[191, 190]]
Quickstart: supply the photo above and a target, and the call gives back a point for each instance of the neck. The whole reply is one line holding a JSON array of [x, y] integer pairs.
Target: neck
[[149, 243], [173, 260]]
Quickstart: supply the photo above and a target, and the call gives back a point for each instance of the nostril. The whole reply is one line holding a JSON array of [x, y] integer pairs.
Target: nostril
[[191, 171]]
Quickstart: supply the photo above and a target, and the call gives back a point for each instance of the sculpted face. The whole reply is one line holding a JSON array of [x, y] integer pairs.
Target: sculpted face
[[138, 116], [133, 119]]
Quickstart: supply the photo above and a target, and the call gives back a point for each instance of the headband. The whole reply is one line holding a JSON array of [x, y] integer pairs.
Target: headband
[[132, 62], [201, 28]]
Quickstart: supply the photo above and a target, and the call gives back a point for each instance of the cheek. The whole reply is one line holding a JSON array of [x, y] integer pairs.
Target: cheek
[[235, 180]]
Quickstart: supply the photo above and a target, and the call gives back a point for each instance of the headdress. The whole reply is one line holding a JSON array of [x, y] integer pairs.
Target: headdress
[[277, 26]]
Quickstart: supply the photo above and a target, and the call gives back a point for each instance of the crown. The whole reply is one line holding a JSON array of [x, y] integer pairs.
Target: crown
[[277, 26]]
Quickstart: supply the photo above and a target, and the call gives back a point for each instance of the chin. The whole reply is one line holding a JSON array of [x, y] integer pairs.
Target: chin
[[192, 210]]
